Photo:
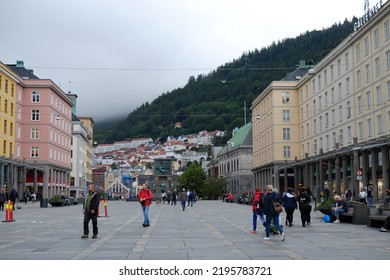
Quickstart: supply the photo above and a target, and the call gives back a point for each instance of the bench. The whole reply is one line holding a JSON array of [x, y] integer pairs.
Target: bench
[[378, 215], [357, 213]]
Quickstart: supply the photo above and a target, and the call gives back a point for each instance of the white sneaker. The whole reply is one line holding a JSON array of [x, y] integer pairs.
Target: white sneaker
[[336, 222], [266, 238], [382, 229], [283, 236]]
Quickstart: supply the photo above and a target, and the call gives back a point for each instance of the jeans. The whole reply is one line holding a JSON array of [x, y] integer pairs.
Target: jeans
[[87, 217], [369, 200], [336, 212], [183, 205], [145, 210], [275, 219], [261, 216]]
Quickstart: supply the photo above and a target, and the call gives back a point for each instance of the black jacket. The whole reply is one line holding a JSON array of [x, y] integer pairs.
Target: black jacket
[[94, 204], [269, 198]]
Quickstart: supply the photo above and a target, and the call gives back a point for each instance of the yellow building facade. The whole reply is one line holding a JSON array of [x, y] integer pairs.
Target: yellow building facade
[[8, 83], [324, 125]]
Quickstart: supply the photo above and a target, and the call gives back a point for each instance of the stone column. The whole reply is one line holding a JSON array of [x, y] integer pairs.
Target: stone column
[[355, 167], [385, 169], [374, 171], [365, 169], [345, 171], [321, 171], [337, 174]]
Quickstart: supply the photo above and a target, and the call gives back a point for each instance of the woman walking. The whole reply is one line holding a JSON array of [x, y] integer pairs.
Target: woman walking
[[257, 208], [270, 213], [290, 204], [145, 198]]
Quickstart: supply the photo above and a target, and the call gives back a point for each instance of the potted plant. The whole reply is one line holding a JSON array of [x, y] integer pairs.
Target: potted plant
[[56, 201], [325, 207]]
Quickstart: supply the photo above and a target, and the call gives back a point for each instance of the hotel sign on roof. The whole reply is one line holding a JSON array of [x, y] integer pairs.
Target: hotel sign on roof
[[368, 14]]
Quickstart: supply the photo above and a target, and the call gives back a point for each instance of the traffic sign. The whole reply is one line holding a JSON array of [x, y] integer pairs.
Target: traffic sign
[[359, 172]]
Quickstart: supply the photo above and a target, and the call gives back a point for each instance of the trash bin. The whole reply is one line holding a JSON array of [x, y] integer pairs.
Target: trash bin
[[43, 203]]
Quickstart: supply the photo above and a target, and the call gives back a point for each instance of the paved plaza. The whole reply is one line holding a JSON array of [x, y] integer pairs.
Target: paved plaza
[[210, 230]]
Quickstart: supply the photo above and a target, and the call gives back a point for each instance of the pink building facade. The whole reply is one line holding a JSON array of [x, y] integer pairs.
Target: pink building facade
[[43, 136]]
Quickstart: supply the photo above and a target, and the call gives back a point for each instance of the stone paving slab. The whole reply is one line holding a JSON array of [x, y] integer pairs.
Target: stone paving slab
[[210, 230]]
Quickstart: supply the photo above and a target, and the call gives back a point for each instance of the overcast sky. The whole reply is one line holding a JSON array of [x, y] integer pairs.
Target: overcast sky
[[116, 55]]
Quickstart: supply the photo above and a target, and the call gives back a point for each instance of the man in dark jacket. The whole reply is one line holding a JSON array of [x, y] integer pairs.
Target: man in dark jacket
[[339, 206], [13, 196], [91, 209]]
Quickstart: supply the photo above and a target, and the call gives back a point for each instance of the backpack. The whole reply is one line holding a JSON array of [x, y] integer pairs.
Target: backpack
[[326, 219]]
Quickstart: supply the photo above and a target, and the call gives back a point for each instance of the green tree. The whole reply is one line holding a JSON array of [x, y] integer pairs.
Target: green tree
[[193, 177], [214, 188]]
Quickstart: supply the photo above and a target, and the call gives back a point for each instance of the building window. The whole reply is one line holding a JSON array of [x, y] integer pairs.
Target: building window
[[376, 39], [358, 78], [4, 147], [333, 117], [320, 123], [378, 95], [368, 73], [35, 97], [325, 77], [11, 129], [349, 109], [341, 137], [369, 103], [12, 109], [359, 104], [6, 106], [387, 30], [286, 115], [35, 115], [332, 94], [369, 127], [6, 86], [314, 86], [314, 106], [34, 152], [357, 52], [346, 61], [327, 142], [326, 119], [388, 90], [5, 126], [349, 134], [339, 67], [285, 97], [361, 132], [34, 133], [388, 60], [320, 103], [348, 82], [334, 139], [377, 67], [340, 90], [286, 151], [340, 113], [314, 126], [286, 134], [326, 99], [366, 46], [315, 146], [331, 73], [380, 124]]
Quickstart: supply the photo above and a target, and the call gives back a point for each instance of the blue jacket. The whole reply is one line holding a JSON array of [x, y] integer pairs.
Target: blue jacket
[[289, 201]]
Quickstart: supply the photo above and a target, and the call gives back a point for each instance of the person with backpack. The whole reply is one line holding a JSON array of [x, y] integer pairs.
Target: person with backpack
[[145, 198], [13, 196], [304, 207], [257, 208], [271, 214], [289, 204]]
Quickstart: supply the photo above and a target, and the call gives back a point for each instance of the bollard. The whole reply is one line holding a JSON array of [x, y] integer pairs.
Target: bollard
[[9, 216], [105, 208]]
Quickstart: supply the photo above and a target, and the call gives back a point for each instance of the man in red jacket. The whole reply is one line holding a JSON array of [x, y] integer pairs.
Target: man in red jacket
[[145, 198]]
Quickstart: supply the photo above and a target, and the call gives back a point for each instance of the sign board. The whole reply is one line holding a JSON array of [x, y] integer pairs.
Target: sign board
[[359, 178], [359, 172]]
